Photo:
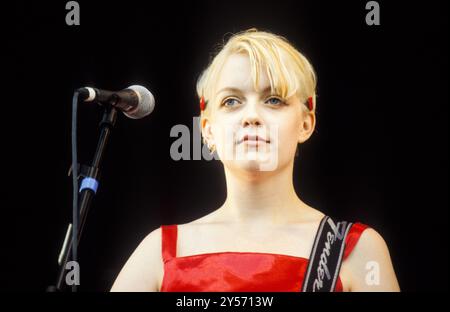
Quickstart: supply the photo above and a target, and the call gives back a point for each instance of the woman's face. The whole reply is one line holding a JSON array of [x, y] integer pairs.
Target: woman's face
[[253, 129]]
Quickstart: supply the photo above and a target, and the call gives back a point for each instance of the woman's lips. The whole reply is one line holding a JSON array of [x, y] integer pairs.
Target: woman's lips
[[253, 140]]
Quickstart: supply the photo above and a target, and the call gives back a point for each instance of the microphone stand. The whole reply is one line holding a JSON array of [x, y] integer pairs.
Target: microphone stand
[[87, 190]]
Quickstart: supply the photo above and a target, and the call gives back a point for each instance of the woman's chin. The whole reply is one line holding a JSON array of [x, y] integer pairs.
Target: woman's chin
[[255, 161]]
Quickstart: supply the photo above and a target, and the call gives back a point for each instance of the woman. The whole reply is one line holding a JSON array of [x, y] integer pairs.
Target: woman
[[258, 102]]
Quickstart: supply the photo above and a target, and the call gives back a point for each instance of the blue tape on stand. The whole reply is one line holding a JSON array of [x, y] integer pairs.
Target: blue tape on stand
[[89, 183]]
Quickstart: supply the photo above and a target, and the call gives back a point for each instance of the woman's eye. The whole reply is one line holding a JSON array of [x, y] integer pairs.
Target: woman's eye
[[230, 102], [274, 101]]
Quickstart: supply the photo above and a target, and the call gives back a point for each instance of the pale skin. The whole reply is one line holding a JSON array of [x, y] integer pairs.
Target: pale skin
[[262, 211]]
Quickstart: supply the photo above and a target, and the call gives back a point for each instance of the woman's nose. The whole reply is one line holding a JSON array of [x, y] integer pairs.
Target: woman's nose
[[251, 115]]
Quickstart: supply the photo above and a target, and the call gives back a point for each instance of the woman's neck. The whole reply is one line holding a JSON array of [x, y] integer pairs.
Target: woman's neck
[[263, 197]]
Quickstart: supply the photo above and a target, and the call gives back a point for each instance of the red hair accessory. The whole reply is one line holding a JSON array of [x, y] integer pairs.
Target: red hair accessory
[[203, 103], [310, 103]]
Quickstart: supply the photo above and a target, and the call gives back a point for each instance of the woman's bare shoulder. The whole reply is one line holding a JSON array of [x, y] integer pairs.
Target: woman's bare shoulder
[[370, 264], [143, 269]]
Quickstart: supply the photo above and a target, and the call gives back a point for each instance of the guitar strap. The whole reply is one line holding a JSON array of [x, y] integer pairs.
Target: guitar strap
[[326, 256]]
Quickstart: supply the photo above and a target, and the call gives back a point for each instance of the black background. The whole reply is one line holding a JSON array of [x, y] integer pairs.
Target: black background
[[378, 156]]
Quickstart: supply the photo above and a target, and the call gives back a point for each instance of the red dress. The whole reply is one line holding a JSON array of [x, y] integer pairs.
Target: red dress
[[232, 271]]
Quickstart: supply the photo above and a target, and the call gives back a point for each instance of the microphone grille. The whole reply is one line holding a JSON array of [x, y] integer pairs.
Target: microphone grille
[[146, 102]]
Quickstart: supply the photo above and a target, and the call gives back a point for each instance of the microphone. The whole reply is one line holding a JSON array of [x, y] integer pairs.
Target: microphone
[[135, 101]]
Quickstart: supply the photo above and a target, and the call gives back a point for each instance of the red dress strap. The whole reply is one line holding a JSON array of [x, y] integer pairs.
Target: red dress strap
[[353, 237], [169, 241]]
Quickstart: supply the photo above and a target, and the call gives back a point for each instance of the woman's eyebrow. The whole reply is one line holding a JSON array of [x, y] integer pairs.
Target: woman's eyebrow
[[237, 90], [231, 89]]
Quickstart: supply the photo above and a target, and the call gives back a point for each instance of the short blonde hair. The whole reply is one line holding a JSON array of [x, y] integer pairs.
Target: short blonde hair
[[288, 71]]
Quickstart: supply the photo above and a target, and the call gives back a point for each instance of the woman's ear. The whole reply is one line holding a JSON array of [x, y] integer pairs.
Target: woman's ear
[[206, 130], [307, 125]]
